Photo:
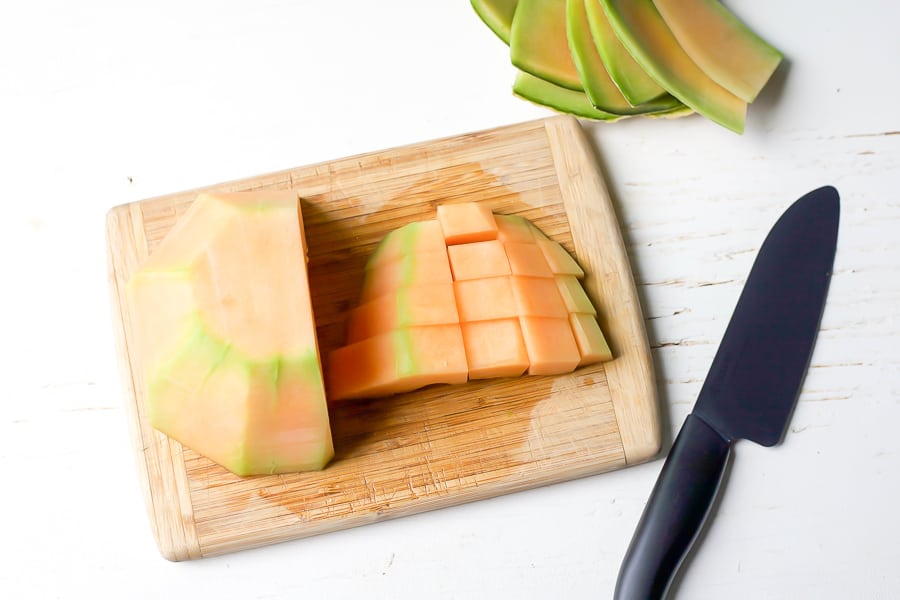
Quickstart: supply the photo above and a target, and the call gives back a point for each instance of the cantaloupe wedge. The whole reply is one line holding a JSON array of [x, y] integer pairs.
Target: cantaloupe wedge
[[231, 369], [515, 306]]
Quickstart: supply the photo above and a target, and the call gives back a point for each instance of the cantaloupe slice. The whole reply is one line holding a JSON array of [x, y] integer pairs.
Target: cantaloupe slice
[[398, 361], [231, 369], [418, 267], [410, 306], [515, 305]]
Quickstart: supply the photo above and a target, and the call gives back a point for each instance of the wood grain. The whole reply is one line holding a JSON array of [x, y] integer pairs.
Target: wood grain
[[439, 446]]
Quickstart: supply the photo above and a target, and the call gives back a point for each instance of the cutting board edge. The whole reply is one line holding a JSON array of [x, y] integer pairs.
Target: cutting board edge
[[613, 291], [480, 493], [158, 458]]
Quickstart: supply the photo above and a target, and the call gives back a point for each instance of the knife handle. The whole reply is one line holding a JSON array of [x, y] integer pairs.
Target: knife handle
[[675, 513]]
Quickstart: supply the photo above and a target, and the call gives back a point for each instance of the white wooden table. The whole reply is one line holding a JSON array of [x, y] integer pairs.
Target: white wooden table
[[107, 102]]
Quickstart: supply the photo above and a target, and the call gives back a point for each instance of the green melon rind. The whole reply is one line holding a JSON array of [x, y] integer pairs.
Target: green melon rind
[[633, 82], [202, 347], [737, 59], [642, 30], [536, 90], [599, 87], [537, 43], [497, 15]]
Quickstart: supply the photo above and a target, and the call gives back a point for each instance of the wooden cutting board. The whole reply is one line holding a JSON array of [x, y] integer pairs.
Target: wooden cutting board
[[436, 447]]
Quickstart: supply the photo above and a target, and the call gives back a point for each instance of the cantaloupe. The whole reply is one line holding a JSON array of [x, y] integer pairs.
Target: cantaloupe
[[514, 305], [226, 337]]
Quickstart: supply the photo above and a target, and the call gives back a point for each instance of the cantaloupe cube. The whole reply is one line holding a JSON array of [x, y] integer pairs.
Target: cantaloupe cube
[[422, 268], [413, 238], [550, 344], [527, 259], [427, 304], [478, 260], [494, 348], [466, 222], [538, 297], [559, 261], [398, 361], [485, 299], [230, 368], [513, 228], [591, 343], [574, 296]]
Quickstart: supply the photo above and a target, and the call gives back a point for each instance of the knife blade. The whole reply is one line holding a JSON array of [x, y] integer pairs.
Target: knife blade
[[749, 392]]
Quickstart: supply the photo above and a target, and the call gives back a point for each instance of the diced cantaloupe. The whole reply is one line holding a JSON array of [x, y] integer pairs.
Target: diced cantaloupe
[[466, 222], [427, 304], [591, 343], [514, 228], [494, 348], [419, 268], [398, 361], [574, 296], [550, 344], [527, 259], [538, 297], [478, 260], [559, 261], [485, 299], [230, 368], [516, 303]]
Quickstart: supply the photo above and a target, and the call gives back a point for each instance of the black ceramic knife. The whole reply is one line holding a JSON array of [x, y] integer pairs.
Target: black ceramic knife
[[750, 390]]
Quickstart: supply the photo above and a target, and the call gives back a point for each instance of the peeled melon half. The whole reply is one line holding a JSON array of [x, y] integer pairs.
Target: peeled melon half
[[226, 337]]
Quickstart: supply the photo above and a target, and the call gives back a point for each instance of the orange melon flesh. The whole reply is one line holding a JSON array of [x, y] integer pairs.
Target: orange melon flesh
[[471, 294], [398, 361], [466, 222], [591, 344], [515, 300], [513, 228], [527, 260], [495, 348], [559, 261], [428, 304], [413, 238], [538, 297], [423, 268], [230, 369], [550, 344], [478, 260]]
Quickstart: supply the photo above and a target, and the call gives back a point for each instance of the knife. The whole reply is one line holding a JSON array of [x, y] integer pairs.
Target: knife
[[749, 393]]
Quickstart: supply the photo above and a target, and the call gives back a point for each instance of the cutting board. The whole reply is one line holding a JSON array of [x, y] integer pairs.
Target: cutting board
[[436, 447]]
